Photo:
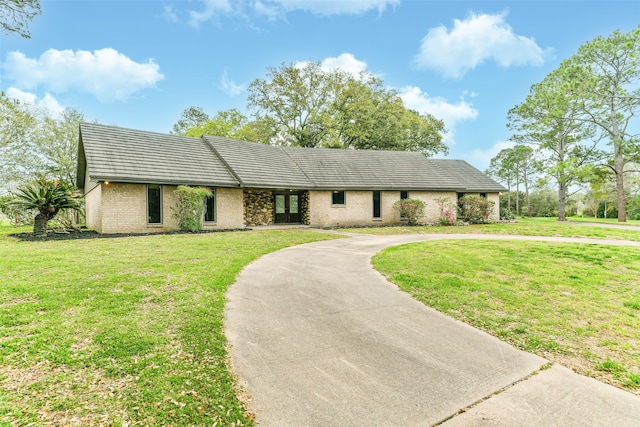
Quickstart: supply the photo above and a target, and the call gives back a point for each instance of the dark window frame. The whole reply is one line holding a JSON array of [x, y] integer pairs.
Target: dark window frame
[[210, 206], [377, 204], [151, 216], [338, 198]]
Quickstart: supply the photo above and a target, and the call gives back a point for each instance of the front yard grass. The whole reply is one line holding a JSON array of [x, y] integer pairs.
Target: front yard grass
[[524, 227], [574, 304], [122, 331]]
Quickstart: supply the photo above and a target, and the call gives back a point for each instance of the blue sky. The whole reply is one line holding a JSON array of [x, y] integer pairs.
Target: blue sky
[[139, 64]]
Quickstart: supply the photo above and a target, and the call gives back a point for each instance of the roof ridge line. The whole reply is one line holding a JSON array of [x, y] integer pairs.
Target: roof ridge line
[[223, 160], [300, 168]]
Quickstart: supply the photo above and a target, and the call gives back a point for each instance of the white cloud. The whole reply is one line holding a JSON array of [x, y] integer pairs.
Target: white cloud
[[229, 86], [481, 159], [324, 7], [345, 62], [268, 11], [48, 103], [439, 108], [274, 10], [106, 73], [212, 8], [477, 39], [170, 14]]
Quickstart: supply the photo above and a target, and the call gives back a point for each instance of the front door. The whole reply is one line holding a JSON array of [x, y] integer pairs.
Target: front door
[[287, 208]]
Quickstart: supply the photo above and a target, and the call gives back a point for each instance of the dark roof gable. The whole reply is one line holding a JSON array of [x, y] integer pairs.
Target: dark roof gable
[[125, 155], [117, 154]]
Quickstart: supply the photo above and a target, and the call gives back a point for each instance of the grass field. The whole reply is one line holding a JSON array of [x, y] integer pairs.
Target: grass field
[[574, 304], [524, 226], [129, 331], [122, 331]]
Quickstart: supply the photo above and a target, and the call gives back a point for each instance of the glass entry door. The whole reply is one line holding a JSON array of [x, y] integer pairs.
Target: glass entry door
[[287, 208]]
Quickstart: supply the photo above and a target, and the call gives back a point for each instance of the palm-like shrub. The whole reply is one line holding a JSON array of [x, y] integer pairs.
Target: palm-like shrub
[[47, 197]]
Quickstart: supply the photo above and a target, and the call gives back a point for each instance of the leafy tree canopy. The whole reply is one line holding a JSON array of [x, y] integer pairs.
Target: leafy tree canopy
[[35, 144], [307, 106], [16, 14]]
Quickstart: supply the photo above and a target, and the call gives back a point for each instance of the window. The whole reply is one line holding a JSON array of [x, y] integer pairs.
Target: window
[[337, 198], [484, 195], [210, 205], [377, 198], [404, 195], [154, 204]]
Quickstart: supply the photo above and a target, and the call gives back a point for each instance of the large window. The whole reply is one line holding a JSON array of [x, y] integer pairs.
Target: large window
[[377, 199], [337, 198], [154, 204], [210, 205]]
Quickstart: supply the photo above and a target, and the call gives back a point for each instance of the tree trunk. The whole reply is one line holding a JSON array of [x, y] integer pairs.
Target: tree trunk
[[618, 165], [517, 197], [40, 225], [526, 190], [562, 194]]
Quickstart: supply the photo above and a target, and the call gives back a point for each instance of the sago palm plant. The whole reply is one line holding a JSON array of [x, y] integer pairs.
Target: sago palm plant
[[47, 197]]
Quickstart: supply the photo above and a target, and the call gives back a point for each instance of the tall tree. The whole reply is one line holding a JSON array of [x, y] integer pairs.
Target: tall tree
[[610, 96], [228, 124], [191, 118], [16, 14], [502, 169], [36, 144], [307, 106], [57, 145], [296, 100], [526, 166], [549, 120]]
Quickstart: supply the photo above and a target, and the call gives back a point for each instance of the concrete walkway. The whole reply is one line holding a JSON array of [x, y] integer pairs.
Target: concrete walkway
[[318, 338]]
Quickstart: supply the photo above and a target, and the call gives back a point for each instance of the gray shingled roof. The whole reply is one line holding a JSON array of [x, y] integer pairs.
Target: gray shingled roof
[[259, 165], [126, 155]]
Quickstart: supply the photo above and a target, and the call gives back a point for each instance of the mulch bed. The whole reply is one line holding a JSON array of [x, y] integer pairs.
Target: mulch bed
[[90, 234]]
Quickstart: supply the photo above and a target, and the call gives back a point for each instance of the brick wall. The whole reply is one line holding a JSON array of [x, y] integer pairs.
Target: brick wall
[[358, 208], [124, 209], [229, 210], [93, 208]]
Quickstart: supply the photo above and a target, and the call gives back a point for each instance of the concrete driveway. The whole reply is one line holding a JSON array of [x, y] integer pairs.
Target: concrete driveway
[[318, 338]]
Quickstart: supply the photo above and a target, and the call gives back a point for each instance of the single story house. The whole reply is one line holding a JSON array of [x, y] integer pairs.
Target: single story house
[[129, 177]]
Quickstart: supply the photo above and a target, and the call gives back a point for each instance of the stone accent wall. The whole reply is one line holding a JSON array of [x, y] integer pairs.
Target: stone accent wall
[[258, 207], [304, 208]]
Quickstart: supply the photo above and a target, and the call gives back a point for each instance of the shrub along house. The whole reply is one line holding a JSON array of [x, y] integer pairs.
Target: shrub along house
[[129, 178]]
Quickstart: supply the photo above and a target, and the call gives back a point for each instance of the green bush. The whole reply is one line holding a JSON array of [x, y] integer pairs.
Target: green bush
[[506, 214], [412, 209], [190, 208], [475, 209]]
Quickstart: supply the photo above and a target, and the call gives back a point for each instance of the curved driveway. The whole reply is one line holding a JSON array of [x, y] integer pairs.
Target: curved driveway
[[318, 338]]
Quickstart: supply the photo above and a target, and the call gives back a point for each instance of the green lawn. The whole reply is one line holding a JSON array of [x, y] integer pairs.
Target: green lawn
[[575, 304], [613, 221], [524, 226], [130, 330], [122, 330]]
